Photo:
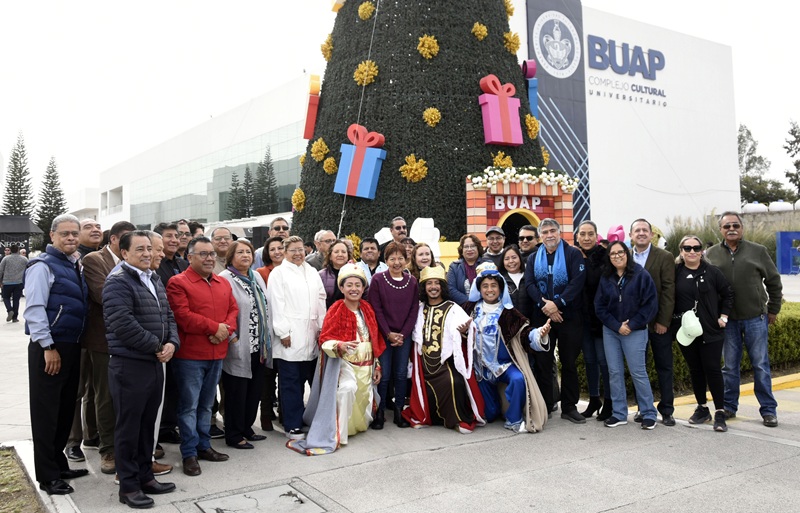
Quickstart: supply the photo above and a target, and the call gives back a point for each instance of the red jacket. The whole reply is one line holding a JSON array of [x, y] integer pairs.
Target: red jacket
[[199, 307]]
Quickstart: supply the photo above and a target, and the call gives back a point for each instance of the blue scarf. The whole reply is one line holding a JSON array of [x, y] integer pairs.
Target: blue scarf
[[542, 271]]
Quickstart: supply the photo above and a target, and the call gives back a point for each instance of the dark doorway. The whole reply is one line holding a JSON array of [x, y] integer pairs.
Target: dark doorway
[[512, 225]]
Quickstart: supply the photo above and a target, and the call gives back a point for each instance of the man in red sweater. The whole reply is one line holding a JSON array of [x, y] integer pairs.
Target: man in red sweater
[[205, 312]]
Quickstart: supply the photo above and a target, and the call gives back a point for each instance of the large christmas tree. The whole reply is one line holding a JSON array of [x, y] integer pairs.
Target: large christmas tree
[[426, 60]]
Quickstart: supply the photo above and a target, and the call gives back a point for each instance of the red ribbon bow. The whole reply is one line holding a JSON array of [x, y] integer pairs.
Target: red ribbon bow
[[362, 140], [490, 84]]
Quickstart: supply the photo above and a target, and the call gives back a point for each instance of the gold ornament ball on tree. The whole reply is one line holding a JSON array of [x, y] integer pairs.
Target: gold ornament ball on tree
[[480, 31], [532, 125], [327, 48], [319, 149], [414, 170], [298, 199], [428, 47], [365, 73], [432, 116], [330, 166], [511, 42], [502, 160], [365, 10]]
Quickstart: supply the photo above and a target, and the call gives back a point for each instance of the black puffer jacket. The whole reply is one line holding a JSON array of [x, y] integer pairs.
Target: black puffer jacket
[[135, 322], [714, 296]]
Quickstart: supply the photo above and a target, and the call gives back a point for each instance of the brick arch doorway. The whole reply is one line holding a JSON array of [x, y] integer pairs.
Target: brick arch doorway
[[515, 219]]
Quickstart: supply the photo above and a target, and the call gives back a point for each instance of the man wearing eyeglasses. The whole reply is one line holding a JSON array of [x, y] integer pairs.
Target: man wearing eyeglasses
[[56, 297], [205, 312], [660, 264], [322, 240], [495, 240], [757, 301], [184, 236], [528, 239], [399, 230], [221, 239], [278, 227]]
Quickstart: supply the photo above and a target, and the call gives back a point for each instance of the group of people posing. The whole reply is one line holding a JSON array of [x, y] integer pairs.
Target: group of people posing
[[165, 317]]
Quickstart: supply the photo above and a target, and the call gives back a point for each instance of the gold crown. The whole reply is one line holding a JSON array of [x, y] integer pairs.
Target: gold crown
[[434, 272]]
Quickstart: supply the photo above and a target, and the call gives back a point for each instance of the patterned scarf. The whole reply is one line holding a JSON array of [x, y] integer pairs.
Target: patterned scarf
[[264, 339], [558, 271]]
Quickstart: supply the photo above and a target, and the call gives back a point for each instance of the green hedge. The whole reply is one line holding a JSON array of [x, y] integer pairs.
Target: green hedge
[[784, 352]]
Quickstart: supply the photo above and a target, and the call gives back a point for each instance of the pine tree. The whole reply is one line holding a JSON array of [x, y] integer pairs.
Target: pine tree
[[235, 198], [247, 193], [51, 201], [18, 197], [472, 40], [265, 195]]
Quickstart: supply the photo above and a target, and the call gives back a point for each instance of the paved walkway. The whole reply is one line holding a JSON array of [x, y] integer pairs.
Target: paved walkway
[[566, 467]]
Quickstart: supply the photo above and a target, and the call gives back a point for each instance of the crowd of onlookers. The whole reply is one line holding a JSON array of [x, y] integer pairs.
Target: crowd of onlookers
[[141, 338]]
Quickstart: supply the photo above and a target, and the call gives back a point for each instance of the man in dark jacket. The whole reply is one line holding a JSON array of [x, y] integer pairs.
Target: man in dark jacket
[[142, 334], [757, 297], [54, 316], [660, 264], [554, 278]]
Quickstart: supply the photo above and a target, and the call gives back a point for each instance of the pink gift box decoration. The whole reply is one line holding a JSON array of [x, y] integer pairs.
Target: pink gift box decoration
[[500, 110], [360, 165]]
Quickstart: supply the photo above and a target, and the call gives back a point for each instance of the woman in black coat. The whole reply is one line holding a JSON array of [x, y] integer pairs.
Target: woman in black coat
[[702, 287]]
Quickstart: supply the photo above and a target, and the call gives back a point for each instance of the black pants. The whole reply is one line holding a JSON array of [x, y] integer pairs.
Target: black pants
[[661, 345], [705, 369], [268, 394], [169, 414], [136, 391], [241, 401], [52, 401], [11, 295], [569, 337]]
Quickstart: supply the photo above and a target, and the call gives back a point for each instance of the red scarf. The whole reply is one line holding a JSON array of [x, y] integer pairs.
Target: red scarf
[[340, 324]]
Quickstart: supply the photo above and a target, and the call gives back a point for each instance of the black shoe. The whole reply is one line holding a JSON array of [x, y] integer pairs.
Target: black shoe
[[700, 415], [74, 473], [573, 416], [244, 444], [594, 406], [136, 500], [554, 408], [255, 438], [613, 422], [211, 455], [216, 432], [399, 420], [719, 422], [9, 317], [771, 420], [377, 422], [75, 453], [158, 453], [14, 320], [169, 436], [56, 487], [92, 443], [637, 417], [648, 423], [606, 412], [156, 488], [730, 414], [668, 420]]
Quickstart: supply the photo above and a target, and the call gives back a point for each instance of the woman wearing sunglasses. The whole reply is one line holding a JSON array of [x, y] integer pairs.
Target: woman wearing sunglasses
[[702, 287], [625, 303]]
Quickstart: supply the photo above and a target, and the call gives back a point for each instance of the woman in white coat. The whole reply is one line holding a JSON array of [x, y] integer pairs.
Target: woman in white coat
[[296, 299]]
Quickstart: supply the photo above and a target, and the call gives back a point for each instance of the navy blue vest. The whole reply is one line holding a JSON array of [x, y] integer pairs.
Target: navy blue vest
[[67, 304]]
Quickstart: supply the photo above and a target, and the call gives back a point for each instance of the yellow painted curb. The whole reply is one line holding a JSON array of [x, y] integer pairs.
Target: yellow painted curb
[[781, 383]]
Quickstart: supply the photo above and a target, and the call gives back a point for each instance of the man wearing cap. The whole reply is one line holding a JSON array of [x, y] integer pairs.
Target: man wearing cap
[[341, 403], [495, 240], [660, 264], [442, 393], [757, 301], [528, 239], [554, 277]]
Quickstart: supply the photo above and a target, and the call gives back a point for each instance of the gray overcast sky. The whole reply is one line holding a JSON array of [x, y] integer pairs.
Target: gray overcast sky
[[94, 83]]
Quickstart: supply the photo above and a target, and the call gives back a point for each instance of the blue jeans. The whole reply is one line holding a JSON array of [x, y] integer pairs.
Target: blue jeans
[[197, 387], [394, 365], [754, 334], [634, 349], [594, 359]]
